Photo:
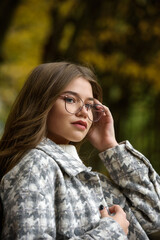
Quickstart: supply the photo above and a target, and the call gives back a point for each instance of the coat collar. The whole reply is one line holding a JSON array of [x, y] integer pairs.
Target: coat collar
[[66, 162]]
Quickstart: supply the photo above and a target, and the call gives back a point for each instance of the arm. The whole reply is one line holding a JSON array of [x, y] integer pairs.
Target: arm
[[140, 183], [131, 171]]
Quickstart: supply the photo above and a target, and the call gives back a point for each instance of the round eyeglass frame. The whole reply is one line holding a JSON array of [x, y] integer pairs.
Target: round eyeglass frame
[[99, 111]]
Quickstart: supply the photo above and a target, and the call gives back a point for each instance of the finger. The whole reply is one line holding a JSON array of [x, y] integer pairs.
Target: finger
[[97, 101], [103, 211], [107, 111], [115, 209], [127, 226], [99, 105], [128, 223], [105, 107]]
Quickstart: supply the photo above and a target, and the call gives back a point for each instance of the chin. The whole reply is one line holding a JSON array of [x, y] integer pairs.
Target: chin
[[77, 140]]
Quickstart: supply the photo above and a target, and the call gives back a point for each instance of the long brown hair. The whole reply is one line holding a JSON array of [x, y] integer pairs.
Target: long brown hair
[[26, 123]]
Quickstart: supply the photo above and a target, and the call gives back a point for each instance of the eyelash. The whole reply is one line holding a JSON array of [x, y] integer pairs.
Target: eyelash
[[69, 98], [88, 105]]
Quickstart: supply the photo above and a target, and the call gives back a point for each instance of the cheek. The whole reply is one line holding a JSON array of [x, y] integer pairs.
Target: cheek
[[90, 124], [90, 115], [49, 123], [57, 117], [51, 120]]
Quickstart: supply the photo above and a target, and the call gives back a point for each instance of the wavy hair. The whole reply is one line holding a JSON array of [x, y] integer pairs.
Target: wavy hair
[[26, 123]]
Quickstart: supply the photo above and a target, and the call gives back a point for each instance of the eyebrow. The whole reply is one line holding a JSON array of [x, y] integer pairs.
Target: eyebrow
[[76, 94]]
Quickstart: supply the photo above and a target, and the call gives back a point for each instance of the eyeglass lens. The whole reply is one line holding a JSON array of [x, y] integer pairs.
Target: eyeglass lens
[[74, 104]]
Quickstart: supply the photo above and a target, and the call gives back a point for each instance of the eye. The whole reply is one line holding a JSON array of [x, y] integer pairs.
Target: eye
[[69, 99], [89, 106]]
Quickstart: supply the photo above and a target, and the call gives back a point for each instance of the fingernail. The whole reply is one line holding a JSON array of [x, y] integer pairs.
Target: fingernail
[[101, 207]]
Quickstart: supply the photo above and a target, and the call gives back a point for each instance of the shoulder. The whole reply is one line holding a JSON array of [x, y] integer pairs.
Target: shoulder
[[35, 168], [36, 161]]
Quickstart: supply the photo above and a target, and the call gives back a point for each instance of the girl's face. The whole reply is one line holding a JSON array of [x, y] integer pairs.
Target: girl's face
[[64, 127]]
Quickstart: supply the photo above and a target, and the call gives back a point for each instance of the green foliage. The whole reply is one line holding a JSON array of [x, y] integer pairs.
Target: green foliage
[[22, 49], [120, 39]]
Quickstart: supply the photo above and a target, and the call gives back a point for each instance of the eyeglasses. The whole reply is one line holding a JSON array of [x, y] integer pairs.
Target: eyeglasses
[[74, 104]]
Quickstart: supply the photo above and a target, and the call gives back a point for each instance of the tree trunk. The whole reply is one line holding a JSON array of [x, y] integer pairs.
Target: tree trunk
[[7, 9]]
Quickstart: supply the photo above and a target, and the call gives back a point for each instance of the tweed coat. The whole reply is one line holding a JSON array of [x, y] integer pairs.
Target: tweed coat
[[51, 195]]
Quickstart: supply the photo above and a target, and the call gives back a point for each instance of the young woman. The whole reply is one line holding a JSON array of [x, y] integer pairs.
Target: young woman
[[46, 191]]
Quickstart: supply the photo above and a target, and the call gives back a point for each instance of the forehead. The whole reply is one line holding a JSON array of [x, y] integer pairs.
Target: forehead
[[81, 86]]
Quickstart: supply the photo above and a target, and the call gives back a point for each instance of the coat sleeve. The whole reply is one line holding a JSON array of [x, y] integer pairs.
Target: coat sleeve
[[138, 181], [30, 208]]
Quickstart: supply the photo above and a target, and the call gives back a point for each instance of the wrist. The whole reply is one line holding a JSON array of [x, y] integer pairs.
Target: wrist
[[108, 146]]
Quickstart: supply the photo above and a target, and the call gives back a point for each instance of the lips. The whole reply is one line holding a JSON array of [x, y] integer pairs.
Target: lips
[[80, 123]]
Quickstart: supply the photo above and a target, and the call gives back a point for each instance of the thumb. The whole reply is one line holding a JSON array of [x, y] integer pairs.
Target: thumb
[[113, 209]]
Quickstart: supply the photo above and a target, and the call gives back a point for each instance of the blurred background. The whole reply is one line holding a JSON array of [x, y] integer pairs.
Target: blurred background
[[119, 39]]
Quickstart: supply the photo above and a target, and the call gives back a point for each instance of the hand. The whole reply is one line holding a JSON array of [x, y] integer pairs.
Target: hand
[[102, 135], [119, 216]]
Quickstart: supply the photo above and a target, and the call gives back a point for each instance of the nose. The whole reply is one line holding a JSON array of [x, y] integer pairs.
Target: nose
[[83, 112]]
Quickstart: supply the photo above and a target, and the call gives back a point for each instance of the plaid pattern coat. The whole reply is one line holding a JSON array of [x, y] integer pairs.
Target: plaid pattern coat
[[51, 195]]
